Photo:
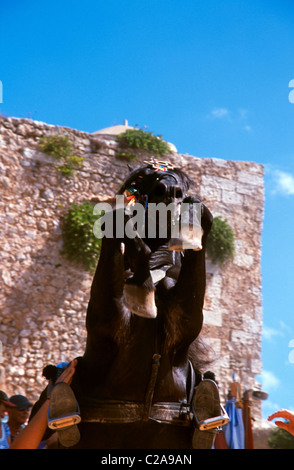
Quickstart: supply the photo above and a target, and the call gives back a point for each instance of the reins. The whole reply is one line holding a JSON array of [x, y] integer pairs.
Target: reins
[[151, 386]]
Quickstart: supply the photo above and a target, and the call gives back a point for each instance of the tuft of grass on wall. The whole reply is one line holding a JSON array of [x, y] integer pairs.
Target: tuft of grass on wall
[[59, 147], [143, 140]]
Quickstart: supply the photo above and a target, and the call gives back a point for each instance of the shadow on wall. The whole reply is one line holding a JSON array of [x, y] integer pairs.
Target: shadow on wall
[[44, 316], [49, 284]]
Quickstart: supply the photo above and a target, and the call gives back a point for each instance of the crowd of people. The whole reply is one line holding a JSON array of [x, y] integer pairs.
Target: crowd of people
[[18, 432], [14, 413]]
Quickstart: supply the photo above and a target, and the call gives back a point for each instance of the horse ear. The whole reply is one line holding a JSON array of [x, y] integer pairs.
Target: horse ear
[[130, 167]]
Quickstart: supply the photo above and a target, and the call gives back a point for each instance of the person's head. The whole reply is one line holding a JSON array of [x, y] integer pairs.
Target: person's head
[[19, 413], [4, 403]]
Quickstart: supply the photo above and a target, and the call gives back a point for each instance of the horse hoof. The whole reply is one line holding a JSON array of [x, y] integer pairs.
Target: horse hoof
[[179, 244], [140, 301]]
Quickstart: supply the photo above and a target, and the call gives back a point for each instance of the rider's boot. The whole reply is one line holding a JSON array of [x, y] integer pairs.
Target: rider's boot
[[64, 414], [206, 406]]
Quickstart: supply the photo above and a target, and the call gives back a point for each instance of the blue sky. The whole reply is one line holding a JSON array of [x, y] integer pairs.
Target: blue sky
[[212, 77]]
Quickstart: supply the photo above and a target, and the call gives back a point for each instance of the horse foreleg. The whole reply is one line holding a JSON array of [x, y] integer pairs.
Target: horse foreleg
[[186, 298], [122, 277], [139, 290], [107, 285]]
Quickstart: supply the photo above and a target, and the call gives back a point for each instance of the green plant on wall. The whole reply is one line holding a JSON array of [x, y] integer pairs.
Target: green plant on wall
[[59, 147], [220, 242], [127, 156], [281, 439], [143, 140], [79, 242]]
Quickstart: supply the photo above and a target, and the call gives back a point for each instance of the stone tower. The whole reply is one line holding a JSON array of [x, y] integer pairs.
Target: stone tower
[[44, 297]]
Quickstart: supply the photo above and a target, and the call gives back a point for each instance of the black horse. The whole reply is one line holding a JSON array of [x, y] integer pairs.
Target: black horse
[[135, 379]]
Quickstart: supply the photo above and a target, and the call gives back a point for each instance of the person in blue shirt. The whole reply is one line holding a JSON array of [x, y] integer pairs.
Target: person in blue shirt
[[30, 437], [18, 414], [5, 439]]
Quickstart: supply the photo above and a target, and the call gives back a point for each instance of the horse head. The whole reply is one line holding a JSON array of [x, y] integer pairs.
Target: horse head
[[161, 191], [160, 181]]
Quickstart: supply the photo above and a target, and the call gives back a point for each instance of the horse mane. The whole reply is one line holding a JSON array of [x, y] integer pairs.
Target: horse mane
[[198, 354], [138, 173]]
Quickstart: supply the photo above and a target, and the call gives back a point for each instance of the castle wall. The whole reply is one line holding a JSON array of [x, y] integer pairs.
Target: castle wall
[[43, 297]]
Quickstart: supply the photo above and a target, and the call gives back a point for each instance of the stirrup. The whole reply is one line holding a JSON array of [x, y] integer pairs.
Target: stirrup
[[64, 421], [213, 422], [64, 414]]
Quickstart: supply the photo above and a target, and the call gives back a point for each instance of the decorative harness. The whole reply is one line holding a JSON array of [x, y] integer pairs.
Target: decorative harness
[[116, 411], [122, 411]]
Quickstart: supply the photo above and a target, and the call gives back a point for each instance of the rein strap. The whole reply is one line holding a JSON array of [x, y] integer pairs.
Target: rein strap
[[151, 386]]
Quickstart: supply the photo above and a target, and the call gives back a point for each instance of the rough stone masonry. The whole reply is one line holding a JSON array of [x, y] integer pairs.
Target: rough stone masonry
[[44, 297]]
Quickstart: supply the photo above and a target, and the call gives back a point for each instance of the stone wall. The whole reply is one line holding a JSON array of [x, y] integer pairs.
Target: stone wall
[[44, 297]]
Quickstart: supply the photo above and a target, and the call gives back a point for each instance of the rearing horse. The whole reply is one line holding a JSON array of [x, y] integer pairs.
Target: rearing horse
[[134, 381]]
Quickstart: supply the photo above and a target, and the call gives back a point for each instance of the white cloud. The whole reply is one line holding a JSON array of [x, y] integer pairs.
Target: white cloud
[[248, 128], [284, 182], [269, 381], [237, 117], [269, 333], [269, 407], [285, 327], [243, 113], [220, 113], [279, 182]]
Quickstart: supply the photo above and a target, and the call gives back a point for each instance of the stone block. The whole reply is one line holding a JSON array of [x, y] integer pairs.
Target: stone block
[[231, 197], [250, 178], [212, 318]]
